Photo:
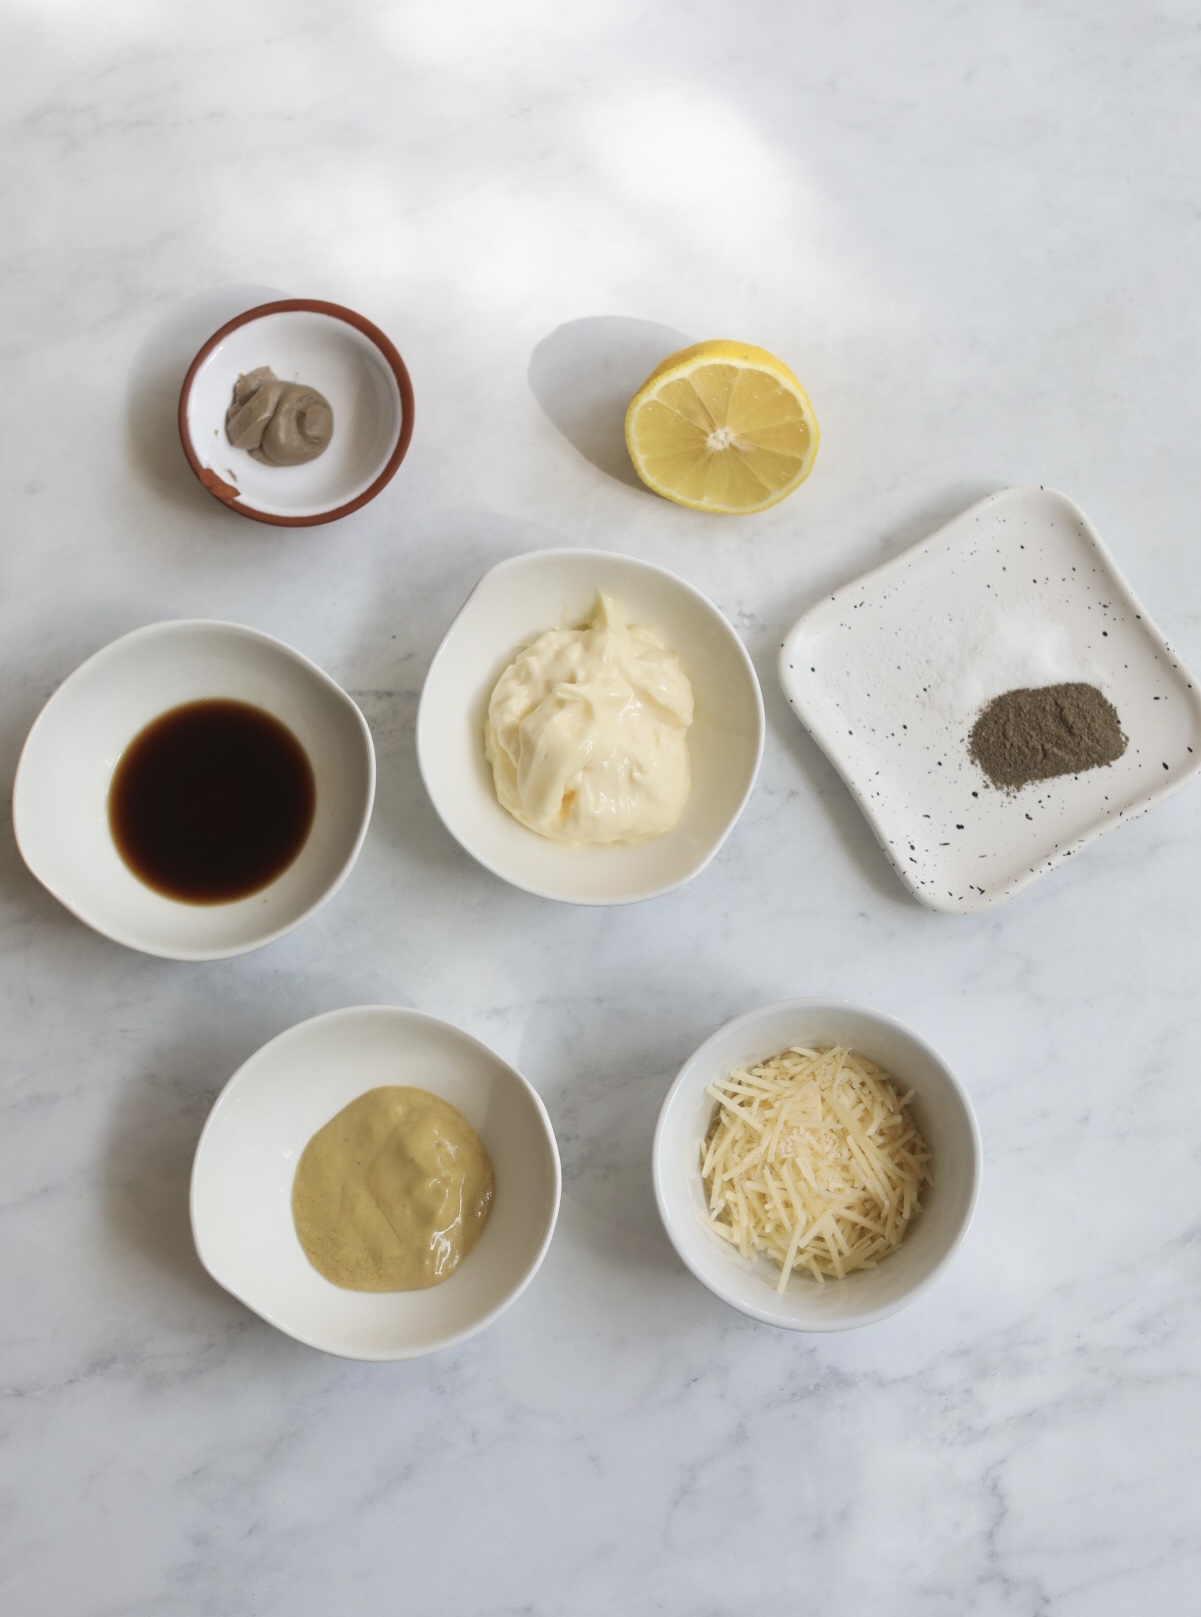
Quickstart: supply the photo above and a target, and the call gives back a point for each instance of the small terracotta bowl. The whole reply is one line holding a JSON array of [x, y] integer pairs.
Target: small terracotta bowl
[[328, 348]]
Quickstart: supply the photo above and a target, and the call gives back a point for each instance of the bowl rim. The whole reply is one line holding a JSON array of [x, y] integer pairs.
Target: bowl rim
[[402, 1013], [554, 552], [164, 628], [232, 497], [668, 1216]]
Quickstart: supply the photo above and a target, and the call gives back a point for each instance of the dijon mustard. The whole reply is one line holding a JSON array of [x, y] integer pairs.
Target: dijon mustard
[[393, 1193]]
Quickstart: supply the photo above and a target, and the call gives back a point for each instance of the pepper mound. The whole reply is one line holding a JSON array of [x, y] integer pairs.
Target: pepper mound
[[1040, 732]]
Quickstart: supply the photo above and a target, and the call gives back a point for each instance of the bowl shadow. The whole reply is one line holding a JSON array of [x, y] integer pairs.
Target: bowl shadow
[[584, 375], [159, 1118], [156, 377], [828, 786], [603, 1084], [418, 595], [148, 1167]]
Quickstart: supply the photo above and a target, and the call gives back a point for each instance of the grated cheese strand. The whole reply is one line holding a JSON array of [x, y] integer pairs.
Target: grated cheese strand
[[812, 1160]]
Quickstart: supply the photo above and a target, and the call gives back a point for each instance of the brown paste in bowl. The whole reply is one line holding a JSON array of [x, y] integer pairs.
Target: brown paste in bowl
[[393, 1193], [280, 423]]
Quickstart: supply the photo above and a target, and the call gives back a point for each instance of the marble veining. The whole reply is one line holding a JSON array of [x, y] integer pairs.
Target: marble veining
[[972, 233]]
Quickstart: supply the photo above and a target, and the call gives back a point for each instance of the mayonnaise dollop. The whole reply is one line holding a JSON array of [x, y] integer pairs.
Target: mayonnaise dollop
[[587, 732]]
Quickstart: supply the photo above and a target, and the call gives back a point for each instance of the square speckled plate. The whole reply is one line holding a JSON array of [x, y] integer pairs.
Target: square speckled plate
[[890, 673]]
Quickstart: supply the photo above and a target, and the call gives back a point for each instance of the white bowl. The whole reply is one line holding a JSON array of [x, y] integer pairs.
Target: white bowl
[[241, 1198], [943, 1114], [60, 797], [327, 347], [547, 589]]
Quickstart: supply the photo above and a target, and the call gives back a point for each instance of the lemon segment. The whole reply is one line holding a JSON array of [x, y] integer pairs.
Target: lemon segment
[[722, 426]]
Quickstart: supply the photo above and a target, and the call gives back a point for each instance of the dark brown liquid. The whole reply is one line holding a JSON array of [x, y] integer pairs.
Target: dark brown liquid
[[212, 801]]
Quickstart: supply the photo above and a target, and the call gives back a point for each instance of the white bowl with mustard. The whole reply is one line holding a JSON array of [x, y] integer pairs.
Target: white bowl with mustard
[[254, 1228], [591, 727]]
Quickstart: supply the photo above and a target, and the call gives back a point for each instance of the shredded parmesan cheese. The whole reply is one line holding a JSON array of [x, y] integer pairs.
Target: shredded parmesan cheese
[[813, 1159]]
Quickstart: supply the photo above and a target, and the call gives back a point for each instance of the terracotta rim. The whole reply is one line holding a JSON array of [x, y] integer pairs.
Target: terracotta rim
[[226, 492]]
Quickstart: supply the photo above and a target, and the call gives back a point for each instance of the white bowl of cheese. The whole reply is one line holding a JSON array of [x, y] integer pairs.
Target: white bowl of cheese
[[552, 590], [939, 1108]]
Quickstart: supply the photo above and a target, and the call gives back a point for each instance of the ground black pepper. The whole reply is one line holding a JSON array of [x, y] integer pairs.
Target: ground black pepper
[[1038, 733]]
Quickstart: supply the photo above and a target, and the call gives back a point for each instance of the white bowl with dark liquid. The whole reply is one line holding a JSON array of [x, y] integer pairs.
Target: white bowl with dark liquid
[[61, 795]]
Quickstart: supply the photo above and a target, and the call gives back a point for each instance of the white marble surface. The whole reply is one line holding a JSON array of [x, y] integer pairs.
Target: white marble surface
[[973, 231]]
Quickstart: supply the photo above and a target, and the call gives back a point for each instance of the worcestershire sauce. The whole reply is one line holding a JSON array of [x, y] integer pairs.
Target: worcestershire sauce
[[211, 801]]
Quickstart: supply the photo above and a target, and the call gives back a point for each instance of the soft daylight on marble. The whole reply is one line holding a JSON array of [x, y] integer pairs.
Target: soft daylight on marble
[[972, 234]]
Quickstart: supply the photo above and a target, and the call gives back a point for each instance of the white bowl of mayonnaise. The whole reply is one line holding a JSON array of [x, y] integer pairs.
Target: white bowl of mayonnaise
[[591, 727]]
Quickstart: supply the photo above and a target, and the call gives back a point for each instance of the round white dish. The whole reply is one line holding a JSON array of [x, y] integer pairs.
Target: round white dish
[[545, 589], [941, 1109], [324, 346], [60, 797], [241, 1199]]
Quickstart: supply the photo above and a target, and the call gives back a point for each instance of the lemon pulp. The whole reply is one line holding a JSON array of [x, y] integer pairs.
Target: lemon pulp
[[722, 426]]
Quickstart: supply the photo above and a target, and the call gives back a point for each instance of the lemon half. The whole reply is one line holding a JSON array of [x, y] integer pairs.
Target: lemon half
[[722, 426]]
